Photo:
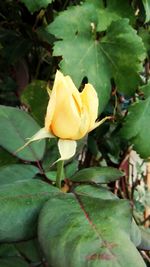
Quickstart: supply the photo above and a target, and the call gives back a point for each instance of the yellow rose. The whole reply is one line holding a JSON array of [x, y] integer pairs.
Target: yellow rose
[[71, 114]]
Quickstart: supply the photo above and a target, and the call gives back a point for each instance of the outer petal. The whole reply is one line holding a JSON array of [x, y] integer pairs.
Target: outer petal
[[52, 102], [66, 120], [90, 100]]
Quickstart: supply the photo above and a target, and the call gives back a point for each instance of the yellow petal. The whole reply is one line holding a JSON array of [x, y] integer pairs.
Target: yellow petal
[[84, 125], [66, 120], [90, 100], [66, 117], [67, 149], [75, 92], [52, 101]]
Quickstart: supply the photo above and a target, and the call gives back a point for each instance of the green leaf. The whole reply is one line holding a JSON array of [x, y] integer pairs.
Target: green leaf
[[145, 239], [20, 204], [136, 127], [15, 127], [146, 89], [34, 96], [6, 158], [110, 11], [93, 53], [87, 58], [35, 5], [90, 231], [126, 63], [17, 172], [7, 250], [102, 175], [13, 262], [30, 250], [95, 191], [145, 35], [146, 4], [135, 234]]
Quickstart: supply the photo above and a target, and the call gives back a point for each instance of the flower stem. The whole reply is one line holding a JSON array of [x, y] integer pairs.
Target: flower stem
[[60, 173]]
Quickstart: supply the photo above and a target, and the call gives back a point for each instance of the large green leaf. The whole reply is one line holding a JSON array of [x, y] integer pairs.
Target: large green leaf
[[93, 54], [35, 5], [20, 204], [15, 126], [101, 175], [13, 262], [136, 127], [35, 96], [83, 231], [16, 172]]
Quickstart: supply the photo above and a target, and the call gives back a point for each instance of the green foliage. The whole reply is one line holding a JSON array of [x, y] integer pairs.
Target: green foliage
[[15, 126], [35, 97], [124, 65], [101, 175], [13, 261], [77, 230], [16, 172], [20, 204], [89, 222], [146, 4], [36, 4], [136, 128]]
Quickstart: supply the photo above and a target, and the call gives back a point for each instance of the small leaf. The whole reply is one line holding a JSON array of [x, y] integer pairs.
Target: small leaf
[[101, 175], [35, 5], [90, 231], [136, 128], [35, 96], [17, 172], [94, 191], [15, 127], [20, 204], [146, 4]]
